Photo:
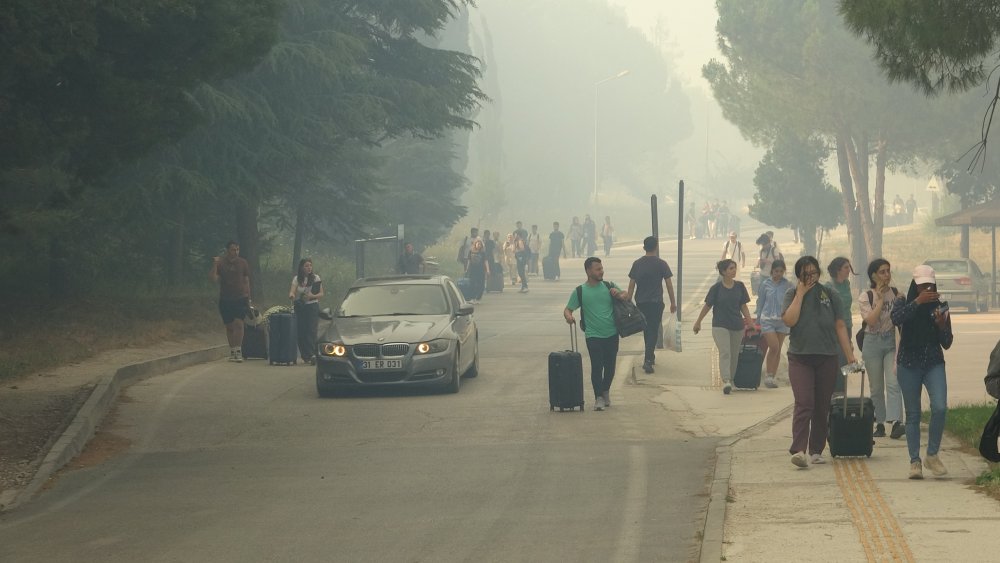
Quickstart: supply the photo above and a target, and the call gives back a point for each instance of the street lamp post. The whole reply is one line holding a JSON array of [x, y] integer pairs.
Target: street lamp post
[[597, 85]]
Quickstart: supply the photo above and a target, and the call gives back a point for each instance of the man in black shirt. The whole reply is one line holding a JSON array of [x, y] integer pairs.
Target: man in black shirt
[[646, 279], [409, 261], [557, 248]]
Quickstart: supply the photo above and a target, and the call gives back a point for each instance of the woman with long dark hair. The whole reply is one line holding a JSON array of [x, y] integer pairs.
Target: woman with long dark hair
[[306, 291], [924, 333], [879, 352], [814, 314], [477, 270], [728, 300]]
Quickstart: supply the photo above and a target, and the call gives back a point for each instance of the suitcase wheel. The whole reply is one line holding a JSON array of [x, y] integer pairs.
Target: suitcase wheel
[[551, 408]]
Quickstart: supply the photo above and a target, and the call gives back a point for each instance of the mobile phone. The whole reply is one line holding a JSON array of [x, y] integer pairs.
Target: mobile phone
[[943, 308]]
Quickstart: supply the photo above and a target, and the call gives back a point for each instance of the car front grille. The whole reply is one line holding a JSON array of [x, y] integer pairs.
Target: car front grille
[[380, 350], [382, 377]]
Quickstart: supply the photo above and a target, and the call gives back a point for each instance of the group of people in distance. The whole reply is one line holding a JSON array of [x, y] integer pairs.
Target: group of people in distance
[[816, 320], [583, 236]]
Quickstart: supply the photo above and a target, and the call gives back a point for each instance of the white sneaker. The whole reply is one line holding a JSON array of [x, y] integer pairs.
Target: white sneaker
[[933, 462], [599, 404], [607, 400], [238, 355], [770, 383], [817, 459], [799, 460]]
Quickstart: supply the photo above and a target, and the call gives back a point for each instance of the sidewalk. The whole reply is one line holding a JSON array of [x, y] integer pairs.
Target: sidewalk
[[762, 508]]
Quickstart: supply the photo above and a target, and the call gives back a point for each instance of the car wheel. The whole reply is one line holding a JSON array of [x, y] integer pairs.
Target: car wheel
[[984, 307], [456, 377], [973, 303], [473, 370]]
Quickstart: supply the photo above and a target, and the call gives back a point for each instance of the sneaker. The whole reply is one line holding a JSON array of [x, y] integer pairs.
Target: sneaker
[[599, 404], [879, 431], [238, 356], [818, 459], [727, 389], [915, 471], [898, 430], [799, 460], [770, 383], [232, 354], [934, 464], [647, 367], [607, 400]]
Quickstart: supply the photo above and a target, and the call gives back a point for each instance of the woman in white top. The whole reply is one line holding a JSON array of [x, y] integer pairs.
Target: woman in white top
[[306, 292], [879, 349]]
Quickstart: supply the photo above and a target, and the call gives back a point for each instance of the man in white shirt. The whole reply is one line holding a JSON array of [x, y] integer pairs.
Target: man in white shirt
[[733, 250]]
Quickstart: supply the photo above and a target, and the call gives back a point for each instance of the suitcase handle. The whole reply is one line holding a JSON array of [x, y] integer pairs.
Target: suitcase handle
[[573, 343], [854, 369]]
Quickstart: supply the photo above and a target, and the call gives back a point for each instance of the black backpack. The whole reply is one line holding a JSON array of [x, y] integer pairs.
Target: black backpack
[[629, 319]]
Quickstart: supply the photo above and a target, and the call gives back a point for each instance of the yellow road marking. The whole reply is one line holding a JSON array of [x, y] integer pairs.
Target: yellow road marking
[[881, 536]]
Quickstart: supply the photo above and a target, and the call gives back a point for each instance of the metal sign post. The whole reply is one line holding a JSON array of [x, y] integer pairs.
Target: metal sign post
[[654, 213], [680, 264]]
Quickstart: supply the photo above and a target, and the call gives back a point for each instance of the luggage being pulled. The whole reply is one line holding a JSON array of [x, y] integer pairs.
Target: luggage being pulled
[[748, 365], [283, 347], [494, 284], [566, 377], [852, 421], [549, 267], [255, 341]]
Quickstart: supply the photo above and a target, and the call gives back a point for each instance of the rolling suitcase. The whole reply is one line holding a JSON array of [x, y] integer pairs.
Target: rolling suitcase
[[750, 361], [255, 341], [852, 420], [549, 266], [495, 282], [283, 341], [566, 377]]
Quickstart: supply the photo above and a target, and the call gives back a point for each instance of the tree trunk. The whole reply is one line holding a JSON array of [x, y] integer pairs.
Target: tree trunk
[[881, 158], [859, 255], [248, 237], [300, 233], [807, 235]]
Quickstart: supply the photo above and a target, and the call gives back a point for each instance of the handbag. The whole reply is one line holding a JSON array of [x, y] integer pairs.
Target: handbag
[[988, 441], [628, 318]]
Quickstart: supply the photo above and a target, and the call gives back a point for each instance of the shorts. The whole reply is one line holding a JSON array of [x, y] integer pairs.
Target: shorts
[[233, 309], [773, 325]]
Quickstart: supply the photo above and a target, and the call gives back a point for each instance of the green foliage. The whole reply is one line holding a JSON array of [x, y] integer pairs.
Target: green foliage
[[791, 173]]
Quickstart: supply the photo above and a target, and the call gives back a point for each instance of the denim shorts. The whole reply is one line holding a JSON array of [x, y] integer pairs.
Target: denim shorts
[[773, 325]]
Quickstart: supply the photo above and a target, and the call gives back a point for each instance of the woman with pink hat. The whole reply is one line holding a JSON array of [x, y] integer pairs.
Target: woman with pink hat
[[925, 332]]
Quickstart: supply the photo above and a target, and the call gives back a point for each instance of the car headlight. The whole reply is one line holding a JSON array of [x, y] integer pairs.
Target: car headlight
[[333, 349], [432, 347]]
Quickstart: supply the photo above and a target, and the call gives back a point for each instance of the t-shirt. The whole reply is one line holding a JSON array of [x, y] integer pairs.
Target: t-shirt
[[816, 331], [534, 242], [300, 288], [597, 309], [648, 273], [733, 251], [556, 239], [727, 304], [233, 278], [522, 232], [843, 290], [409, 263]]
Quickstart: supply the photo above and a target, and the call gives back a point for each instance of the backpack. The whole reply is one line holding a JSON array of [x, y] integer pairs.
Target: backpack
[[859, 338], [629, 319]]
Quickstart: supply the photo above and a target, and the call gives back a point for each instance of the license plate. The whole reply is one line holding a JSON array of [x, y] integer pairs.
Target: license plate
[[382, 364], [945, 296]]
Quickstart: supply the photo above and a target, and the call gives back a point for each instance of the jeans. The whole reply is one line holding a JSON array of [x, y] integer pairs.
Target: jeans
[[522, 263], [812, 377], [307, 321], [910, 382], [879, 355], [603, 357], [653, 312], [554, 261], [577, 247], [533, 266], [728, 343]]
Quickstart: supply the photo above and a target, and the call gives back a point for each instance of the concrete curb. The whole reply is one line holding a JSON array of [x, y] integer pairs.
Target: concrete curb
[[713, 533], [93, 411]]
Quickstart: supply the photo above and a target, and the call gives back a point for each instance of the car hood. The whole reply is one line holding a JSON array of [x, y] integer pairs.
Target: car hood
[[416, 328]]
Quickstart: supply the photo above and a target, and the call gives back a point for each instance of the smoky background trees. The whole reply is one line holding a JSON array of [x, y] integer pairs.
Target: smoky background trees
[[135, 140]]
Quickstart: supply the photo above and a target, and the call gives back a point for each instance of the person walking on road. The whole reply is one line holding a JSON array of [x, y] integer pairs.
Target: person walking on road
[[232, 273], [305, 293], [534, 246], [879, 350], [522, 254], [557, 249], [815, 317], [593, 298], [924, 333], [576, 237], [607, 235], [589, 235], [727, 300], [477, 271], [646, 279], [770, 302], [840, 271], [733, 250]]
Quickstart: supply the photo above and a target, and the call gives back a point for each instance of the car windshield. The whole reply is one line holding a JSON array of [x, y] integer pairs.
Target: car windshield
[[949, 266], [395, 299]]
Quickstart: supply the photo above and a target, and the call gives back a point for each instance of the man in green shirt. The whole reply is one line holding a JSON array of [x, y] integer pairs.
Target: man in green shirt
[[598, 321]]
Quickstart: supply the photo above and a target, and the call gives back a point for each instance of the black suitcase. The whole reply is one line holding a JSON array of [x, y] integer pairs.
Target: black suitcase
[[566, 377], [283, 341], [852, 421], [549, 266], [495, 282], [749, 362], [255, 341]]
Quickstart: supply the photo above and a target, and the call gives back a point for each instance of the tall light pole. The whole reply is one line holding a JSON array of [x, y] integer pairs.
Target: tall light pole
[[597, 86]]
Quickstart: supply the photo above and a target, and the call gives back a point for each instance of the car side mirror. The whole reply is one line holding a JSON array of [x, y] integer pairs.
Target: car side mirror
[[465, 309], [326, 314]]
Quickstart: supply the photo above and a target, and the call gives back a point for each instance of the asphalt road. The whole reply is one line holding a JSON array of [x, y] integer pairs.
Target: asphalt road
[[244, 463]]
